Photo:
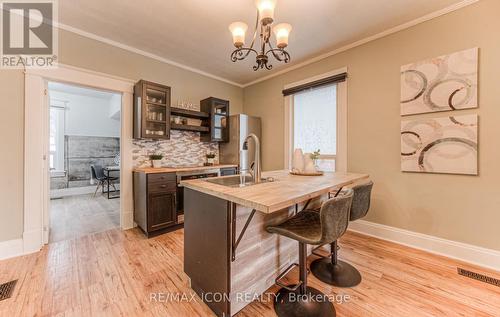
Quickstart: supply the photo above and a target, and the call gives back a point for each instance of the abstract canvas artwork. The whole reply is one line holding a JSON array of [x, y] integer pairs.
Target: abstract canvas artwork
[[440, 145], [443, 83]]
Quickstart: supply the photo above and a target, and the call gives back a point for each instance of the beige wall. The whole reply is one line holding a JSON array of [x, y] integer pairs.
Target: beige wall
[[85, 53], [12, 149], [460, 208]]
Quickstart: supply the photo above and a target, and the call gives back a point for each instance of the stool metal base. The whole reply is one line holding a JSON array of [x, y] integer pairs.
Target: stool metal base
[[312, 303], [341, 274]]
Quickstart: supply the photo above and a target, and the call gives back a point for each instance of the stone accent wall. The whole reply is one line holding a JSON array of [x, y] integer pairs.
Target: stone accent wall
[[183, 149], [81, 152]]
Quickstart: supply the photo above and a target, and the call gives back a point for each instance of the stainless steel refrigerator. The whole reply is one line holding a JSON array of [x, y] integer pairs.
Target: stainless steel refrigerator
[[240, 126]]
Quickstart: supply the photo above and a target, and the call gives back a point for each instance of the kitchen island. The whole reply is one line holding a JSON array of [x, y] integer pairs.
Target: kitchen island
[[228, 255]]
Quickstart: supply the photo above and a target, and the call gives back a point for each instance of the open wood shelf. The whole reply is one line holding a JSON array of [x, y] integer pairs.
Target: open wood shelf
[[186, 127], [189, 113]]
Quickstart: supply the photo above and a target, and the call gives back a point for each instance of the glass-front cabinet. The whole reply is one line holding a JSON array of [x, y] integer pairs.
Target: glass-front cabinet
[[219, 119], [151, 111]]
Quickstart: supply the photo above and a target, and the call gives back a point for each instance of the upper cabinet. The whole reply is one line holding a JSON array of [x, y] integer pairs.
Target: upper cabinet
[[219, 119], [151, 111]]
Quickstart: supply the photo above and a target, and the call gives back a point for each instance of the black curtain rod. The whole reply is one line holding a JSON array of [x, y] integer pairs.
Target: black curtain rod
[[315, 84]]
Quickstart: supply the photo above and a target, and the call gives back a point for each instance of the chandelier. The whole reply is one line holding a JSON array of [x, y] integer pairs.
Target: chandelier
[[265, 18]]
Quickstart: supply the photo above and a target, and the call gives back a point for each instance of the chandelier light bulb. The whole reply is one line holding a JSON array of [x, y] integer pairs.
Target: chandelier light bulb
[[282, 31], [263, 30], [266, 10], [238, 29]]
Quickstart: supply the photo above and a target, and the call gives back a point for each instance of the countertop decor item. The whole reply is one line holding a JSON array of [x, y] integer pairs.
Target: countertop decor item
[[298, 160], [156, 159], [315, 156], [303, 164], [210, 159], [317, 173], [309, 165], [265, 18]]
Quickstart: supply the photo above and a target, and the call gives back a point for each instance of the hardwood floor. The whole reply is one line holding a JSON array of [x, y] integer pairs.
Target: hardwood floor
[[75, 216], [114, 273]]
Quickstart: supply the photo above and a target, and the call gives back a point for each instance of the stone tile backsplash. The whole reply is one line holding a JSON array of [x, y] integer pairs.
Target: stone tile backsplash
[[183, 149]]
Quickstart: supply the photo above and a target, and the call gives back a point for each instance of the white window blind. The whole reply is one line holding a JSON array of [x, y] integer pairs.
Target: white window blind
[[315, 123]]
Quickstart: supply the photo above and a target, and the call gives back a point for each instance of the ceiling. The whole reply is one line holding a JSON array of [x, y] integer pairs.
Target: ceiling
[[195, 32]]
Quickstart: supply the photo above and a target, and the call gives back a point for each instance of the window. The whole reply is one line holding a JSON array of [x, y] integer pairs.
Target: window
[[315, 124], [316, 119], [56, 138]]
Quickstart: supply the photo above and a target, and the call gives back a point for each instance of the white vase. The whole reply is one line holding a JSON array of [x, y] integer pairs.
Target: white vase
[[309, 164], [298, 160], [156, 163]]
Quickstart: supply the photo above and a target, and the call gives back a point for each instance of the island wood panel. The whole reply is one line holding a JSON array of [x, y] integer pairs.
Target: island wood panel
[[207, 247], [285, 191], [261, 256]]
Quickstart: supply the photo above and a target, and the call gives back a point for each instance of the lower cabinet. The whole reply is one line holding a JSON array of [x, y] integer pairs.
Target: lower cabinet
[[155, 200], [161, 210]]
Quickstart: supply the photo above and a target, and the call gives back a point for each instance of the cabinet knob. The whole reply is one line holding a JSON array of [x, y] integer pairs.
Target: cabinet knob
[[163, 186]]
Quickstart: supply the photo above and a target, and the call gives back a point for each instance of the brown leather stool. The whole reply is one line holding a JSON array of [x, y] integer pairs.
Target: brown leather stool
[[310, 227], [330, 269]]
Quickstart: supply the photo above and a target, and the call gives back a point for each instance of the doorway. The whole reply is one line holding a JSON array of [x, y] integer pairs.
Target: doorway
[[36, 149], [84, 160]]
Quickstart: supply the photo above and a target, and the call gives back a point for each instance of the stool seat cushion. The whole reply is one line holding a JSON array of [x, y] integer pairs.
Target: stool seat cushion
[[304, 227]]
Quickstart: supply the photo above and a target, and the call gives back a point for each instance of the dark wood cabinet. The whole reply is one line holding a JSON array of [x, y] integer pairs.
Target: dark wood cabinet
[[151, 111], [155, 202], [161, 210], [218, 110]]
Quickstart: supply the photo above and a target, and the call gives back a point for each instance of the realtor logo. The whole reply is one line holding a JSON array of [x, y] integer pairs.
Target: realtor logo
[[29, 39]]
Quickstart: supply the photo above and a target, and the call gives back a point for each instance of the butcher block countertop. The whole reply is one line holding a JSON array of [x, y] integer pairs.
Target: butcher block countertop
[[150, 170], [287, 190]]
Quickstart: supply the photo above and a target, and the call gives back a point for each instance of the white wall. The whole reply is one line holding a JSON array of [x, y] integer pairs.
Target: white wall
[[90, 116]]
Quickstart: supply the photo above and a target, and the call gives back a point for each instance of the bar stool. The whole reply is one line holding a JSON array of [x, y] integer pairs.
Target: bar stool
[[310, 227], [330, 269]]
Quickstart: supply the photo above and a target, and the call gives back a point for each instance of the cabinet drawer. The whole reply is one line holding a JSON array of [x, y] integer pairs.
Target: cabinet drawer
[[162, 178], [162, 187]]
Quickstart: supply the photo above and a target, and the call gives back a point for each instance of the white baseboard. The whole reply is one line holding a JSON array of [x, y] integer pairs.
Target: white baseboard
[[11, 248], [483, 257], [127, 220], [32, 241]]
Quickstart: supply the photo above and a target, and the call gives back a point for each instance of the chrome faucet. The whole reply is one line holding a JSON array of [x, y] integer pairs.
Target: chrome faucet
[[257, 164]]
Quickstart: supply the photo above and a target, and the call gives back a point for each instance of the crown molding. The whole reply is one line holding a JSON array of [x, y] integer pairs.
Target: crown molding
[[143, 53], [387, 32], [377, 36]]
